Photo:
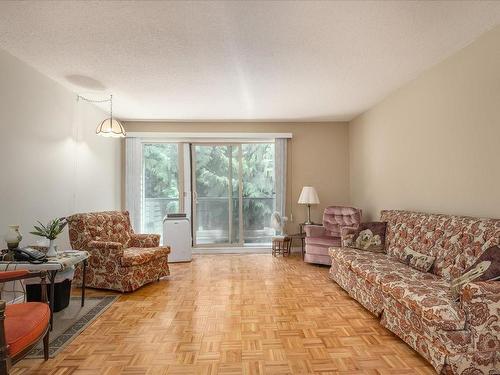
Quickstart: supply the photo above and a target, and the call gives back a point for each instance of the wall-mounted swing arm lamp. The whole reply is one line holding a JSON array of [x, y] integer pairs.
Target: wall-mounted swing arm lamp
[[110, 127]]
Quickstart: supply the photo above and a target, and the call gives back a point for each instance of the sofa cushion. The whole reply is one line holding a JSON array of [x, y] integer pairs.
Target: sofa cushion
[[323, 241], [343, 255], [134, 256], [418, 260], [368, 236], [430, 299], [492, 266], [425, 294]]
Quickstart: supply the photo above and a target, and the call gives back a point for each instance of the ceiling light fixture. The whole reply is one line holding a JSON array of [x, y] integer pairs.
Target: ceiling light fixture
[[110, 127]]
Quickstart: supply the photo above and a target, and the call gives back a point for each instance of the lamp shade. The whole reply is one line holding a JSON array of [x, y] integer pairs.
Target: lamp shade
[[110, 127], [308, 196]]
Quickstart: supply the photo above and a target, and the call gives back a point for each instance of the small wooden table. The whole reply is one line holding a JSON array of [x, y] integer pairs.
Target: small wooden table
[[54, 265], [302, 238], [281, 245]]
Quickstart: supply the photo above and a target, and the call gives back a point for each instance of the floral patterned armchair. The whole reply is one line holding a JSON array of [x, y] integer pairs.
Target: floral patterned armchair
[[119, 258]]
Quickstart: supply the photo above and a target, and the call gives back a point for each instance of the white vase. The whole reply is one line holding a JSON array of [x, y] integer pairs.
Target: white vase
[[13, 237], [52, 252]]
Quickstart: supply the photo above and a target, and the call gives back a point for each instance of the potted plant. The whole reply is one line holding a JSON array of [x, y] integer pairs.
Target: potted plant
[[50, 231]]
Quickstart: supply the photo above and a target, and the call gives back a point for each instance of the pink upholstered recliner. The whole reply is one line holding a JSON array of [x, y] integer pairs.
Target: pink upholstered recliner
[[320, 237]]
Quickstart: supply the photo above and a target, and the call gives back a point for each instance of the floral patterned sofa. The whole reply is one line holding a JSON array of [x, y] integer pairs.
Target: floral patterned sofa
[[119, 258], [456, 334]]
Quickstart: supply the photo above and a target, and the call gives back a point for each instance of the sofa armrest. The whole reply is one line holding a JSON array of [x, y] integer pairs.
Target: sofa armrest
[[481, 303], [315, 230], [480, 290], [144, 240], [105, 248]]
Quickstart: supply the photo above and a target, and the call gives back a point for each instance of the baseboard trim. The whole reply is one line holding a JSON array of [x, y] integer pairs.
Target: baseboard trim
[[232, 250], [238, 250]]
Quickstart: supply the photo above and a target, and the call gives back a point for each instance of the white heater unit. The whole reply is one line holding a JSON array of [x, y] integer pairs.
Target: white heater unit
[[177, 235]]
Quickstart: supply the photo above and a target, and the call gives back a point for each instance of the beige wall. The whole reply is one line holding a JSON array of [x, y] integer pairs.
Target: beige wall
[[52, 163], [434, 145], [317, 156]]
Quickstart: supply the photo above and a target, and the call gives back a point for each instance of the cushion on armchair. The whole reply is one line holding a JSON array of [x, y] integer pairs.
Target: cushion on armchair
[[134, 256], [24, 324]]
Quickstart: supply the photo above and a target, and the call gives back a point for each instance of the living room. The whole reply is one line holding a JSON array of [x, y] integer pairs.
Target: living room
[[292, 187]]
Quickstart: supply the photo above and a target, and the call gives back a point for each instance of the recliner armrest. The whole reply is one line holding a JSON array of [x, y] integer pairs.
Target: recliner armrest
[[315, 230], [144, 240]]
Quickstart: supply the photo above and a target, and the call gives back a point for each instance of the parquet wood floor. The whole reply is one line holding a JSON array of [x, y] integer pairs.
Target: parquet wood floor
[[235, 314]]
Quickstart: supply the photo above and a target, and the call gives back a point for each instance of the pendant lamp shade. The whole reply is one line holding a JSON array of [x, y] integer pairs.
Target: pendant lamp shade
[[110, 127]]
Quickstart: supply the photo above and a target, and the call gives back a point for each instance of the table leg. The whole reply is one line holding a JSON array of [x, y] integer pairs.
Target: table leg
[[84, 271], [52, 279], [302, 240]]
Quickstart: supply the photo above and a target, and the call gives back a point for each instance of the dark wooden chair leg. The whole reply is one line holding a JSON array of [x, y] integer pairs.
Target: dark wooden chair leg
[[46, 346], [4, 367]]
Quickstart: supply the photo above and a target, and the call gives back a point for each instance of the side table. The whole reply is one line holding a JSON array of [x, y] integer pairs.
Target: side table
[[54, 265], [281, 245], [302, 236]]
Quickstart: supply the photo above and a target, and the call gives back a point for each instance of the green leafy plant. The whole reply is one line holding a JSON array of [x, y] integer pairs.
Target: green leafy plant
[[51, 230]]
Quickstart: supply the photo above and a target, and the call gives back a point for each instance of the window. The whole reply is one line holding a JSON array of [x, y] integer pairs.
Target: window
[[227, 189]]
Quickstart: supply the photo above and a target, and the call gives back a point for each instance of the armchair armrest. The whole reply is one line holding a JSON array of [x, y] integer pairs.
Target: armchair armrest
[[315, 230], [16, 275], [6, 276], [144, 240], [106, 248], [481, 303]]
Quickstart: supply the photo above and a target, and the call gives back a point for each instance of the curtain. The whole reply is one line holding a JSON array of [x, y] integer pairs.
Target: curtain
[[280, 172], [133, 181]]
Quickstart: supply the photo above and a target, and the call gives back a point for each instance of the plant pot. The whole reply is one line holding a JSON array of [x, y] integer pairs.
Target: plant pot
[[52, 252]]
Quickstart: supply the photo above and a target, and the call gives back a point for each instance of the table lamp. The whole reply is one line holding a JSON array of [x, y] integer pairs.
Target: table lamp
[[308, 196]]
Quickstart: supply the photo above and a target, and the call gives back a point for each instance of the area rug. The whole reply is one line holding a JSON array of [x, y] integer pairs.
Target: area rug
[[71, 321]]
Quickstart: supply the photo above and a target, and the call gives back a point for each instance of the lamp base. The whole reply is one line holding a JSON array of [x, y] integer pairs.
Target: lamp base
[[308, 221]]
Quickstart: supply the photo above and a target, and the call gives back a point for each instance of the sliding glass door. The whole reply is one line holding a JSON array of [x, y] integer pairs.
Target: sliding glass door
[[233, 193], [161, 184], [216, 194], [259, 197]]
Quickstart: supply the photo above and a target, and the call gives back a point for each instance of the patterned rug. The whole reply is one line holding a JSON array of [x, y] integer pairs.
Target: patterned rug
[[69, 322]]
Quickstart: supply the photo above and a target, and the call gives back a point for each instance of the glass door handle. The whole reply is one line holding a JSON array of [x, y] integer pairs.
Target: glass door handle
[[195, 197]]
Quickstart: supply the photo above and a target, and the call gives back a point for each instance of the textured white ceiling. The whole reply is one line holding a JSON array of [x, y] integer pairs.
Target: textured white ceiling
[[240, 60]]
